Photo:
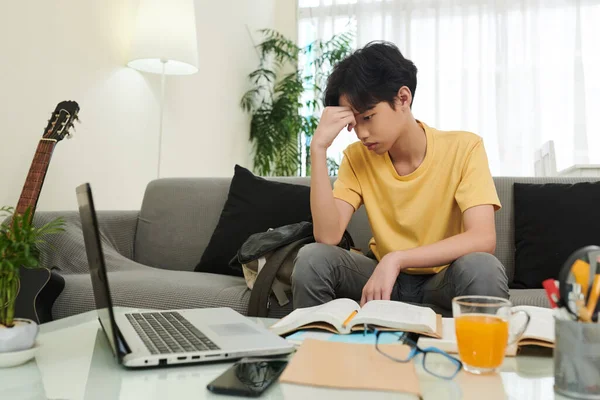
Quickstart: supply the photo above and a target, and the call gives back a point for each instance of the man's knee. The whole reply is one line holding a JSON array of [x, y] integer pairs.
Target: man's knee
[[314, 261], [481, 274]]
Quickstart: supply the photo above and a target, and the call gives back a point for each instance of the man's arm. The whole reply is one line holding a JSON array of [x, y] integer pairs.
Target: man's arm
[[330, 215], [479, 236]]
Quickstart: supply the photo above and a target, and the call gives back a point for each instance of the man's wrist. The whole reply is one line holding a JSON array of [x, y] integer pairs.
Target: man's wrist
[[398, 259], [317, 150]]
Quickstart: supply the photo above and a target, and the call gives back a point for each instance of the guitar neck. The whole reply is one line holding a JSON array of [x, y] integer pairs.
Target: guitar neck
[[35, 177]]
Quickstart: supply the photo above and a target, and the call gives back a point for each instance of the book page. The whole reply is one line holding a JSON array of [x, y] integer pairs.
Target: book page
[[337, 310], [541, 325], [395, 314], [334, 312], [293, 320]]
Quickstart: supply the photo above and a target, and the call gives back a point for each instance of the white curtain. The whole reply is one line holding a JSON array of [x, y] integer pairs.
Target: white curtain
[[516, 72]]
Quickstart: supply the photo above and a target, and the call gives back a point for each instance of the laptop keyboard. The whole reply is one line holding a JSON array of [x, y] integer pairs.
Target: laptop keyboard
[[169, 332]]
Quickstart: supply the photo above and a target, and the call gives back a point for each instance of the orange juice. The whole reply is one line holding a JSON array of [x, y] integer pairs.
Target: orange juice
[[481, 339]]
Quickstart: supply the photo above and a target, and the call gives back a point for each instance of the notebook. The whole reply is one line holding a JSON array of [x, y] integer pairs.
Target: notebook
[[345, 315], [351, 366], [298, 337]]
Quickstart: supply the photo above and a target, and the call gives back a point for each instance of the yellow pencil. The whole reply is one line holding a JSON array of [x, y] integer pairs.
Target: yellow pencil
[[593, 297], [350, 318], [581, 272]]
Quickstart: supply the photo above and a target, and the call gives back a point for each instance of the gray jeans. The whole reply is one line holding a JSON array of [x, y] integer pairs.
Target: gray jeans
[[323, 273]]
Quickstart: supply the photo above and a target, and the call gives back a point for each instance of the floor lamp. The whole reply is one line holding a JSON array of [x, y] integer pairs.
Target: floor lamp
[[164, 42]]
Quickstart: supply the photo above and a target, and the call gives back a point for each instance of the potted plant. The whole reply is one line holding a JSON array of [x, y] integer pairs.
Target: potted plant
[[19, 239], [285, 99]]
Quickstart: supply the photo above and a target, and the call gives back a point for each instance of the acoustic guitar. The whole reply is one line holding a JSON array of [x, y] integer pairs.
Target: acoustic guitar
[[39, 287]]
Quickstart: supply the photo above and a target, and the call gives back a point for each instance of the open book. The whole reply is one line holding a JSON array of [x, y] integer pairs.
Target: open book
[[345, 315], [539, 332]]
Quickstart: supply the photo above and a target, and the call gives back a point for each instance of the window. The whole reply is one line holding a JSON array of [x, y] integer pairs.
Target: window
[[517, 73]]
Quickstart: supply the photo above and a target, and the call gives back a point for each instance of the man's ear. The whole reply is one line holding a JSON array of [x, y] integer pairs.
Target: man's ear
[[404, 97]]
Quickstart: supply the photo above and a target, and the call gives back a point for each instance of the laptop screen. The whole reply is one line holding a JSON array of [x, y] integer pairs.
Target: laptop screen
[[93, 247]]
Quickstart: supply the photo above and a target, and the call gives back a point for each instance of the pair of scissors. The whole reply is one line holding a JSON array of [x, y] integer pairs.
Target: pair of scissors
[[579, 283]]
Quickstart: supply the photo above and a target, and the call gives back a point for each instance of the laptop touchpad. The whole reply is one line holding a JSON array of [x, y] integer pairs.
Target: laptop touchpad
[[233, 329]]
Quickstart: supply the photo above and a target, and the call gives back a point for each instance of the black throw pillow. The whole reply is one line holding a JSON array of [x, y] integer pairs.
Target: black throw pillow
[[551, 222], [253, 205]]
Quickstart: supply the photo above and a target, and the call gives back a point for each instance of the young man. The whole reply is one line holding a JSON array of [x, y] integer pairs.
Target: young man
[[429, 196]]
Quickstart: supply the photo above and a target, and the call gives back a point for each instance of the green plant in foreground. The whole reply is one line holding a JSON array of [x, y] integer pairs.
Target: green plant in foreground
[[19, 239]]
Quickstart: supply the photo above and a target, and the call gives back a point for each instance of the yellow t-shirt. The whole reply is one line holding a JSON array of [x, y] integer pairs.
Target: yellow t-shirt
[[424, 206]]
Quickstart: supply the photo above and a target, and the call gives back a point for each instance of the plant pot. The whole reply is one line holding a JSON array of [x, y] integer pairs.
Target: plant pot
[[20, 337]]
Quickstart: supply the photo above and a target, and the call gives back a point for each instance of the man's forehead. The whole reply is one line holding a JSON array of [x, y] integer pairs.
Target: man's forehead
[[344, 102]]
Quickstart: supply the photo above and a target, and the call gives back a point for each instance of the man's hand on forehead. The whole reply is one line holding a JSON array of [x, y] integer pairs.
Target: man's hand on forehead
[[333, 121]]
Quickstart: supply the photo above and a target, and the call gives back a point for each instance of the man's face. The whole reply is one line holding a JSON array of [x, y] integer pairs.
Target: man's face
[[379, 127]]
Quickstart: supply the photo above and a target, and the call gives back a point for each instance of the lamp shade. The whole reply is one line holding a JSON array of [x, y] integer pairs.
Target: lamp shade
[[165, 33]]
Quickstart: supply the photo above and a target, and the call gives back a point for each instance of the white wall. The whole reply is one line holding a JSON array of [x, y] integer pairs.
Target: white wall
[[286, 18], [72, 49]]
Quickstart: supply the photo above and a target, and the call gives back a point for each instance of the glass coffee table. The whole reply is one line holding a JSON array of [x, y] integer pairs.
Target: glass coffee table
[[74, 361]]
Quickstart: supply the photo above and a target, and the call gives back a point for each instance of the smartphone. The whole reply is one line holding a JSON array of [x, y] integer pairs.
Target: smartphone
[[248, 377]]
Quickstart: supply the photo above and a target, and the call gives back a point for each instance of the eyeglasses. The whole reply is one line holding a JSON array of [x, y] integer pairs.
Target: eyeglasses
[[435, 361]]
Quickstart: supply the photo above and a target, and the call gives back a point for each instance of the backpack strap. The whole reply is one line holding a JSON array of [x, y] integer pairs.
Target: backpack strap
[[278, 289], [261, 291], [347, 242]]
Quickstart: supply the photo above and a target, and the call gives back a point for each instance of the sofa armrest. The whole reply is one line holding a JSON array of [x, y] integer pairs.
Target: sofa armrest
[[66, 250], [119, 228]]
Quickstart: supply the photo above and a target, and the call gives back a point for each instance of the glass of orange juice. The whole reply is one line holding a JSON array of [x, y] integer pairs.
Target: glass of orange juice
[[482, 331]]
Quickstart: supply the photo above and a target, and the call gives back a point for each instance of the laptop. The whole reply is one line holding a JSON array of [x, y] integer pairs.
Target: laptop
[[158, 338]]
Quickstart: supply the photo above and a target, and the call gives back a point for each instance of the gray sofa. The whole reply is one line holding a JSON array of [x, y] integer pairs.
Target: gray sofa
[[151, 253]]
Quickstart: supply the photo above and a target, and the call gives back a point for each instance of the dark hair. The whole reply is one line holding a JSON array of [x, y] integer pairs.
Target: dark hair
[[371, 75]]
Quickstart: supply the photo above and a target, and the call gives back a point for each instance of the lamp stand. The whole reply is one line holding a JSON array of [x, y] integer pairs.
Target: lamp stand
[[162, 106]]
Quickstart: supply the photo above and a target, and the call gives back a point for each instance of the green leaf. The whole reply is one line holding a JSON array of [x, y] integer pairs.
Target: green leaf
[[19, 240]]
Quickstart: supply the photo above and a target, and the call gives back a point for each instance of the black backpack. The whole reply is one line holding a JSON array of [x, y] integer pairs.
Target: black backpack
[[267, 260]]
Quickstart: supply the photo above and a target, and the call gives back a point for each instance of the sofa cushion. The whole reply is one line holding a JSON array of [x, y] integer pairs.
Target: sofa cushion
[[505, 231], [529, 297], [253, 205], [177, 217], [551, 222], [155, 288], [159, 289]]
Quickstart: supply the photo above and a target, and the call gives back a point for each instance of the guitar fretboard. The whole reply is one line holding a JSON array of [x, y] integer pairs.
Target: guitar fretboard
[[35, 177]]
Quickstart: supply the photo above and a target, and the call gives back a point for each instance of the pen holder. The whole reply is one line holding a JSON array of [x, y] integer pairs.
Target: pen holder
[[577, 359]]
